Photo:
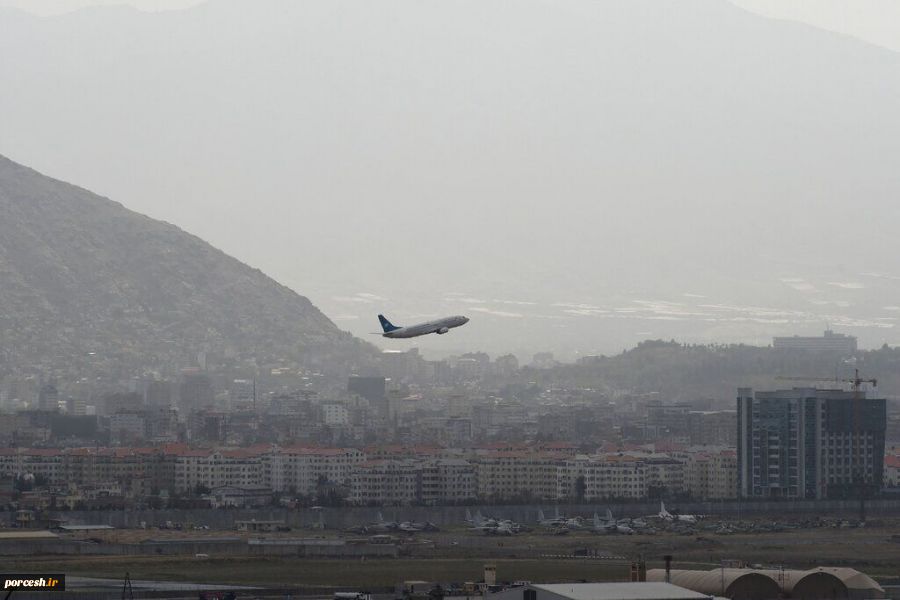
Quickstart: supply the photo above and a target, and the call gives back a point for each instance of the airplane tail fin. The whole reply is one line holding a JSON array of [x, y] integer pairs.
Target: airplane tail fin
[[468, 515], [387, 325], [596, 521], [609, 516], [540, 515]]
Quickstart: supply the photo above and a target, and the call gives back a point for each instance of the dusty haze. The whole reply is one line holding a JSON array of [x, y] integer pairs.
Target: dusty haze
[[574, 176]]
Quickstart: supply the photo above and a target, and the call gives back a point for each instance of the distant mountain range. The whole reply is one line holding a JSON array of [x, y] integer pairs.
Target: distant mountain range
[[576, 176], [85, 282]]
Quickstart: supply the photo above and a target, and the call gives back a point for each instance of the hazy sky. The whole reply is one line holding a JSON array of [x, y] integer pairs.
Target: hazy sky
[[575, 176], [876, 21], [55, 7]]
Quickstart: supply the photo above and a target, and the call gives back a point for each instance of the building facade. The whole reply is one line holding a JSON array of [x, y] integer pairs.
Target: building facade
[[807, 443]]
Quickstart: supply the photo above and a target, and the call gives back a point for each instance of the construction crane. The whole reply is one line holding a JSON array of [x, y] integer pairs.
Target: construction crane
[[855, 382]]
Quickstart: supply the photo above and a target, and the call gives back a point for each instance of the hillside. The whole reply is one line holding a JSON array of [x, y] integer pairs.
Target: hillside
[[688, 373], [84, 282], [576, 176]]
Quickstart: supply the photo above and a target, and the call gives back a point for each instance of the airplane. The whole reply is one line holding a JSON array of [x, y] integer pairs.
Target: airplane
[[382, 526], [480, 520], [630, 525], [492, 526], [554, 523], [414, 527], [440, 327], [667, 516], [610, 525], [575, 523], [604, 526], [506, 528]]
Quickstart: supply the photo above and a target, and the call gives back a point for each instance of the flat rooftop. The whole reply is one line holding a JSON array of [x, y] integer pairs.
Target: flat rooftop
[[25, 534], [643, 590]]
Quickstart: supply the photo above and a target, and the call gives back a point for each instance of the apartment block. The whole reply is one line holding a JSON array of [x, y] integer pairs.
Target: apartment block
[[809, 443]]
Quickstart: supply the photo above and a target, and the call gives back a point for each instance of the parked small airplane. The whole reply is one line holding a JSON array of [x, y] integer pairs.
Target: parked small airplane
[[610, 525], [491, 526], [667, 516], [604, 526], [381, 526], [440, 327], [554, 522], [415, 527]]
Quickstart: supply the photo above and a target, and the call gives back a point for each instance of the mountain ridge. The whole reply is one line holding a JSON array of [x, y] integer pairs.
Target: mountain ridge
[[600, 153], [82, 275]]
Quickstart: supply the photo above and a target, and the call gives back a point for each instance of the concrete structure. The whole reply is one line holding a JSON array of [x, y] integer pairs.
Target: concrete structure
[[231, 496], [335, 414], [736, 584], [712, 427], [829, 342], [809, 443], [408, 481], [711, 475], [255, 526], [620, 475], [373, 389], [830, 583], [891, 471], [48, 398], [599, 591], [515, 474]]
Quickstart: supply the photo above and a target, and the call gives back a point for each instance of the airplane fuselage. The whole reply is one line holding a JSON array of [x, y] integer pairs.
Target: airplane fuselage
[[439, 326]]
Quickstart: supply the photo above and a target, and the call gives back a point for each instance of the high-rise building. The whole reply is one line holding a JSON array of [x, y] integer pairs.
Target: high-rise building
[[712, 427], [195, 391], [807, 443], [159, 394], [48, 398], [373, 389], [829, 342]]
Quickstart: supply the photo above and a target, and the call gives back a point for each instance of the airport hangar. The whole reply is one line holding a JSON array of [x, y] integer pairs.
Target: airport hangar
[[599, 591], [833, 583]]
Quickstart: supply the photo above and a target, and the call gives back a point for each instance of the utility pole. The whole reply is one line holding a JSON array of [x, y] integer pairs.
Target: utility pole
[[126, 588]]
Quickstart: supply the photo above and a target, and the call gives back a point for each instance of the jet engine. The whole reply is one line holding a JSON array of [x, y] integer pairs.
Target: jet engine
[[442, 330]]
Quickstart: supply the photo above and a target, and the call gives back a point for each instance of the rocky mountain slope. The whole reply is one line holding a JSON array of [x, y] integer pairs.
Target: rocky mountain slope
[[84, 281]]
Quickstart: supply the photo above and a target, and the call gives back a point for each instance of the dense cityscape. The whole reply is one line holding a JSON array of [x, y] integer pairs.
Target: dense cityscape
[[405, 300], [463, 430]]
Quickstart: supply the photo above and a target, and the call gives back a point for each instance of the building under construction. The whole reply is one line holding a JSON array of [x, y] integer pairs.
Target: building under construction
[[808, 443]]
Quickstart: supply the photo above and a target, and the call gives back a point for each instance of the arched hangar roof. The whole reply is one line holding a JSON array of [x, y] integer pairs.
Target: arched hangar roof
[[737, 584]]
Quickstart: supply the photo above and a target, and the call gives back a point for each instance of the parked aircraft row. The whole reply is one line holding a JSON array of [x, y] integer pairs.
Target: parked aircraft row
[[557, 524], [608, 524], [493, 526], [383, 526]]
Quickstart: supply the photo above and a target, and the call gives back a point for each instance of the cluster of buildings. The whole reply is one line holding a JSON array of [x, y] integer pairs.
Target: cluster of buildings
[[365, 410], [377, 475], [392, 439], [802, 443]]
